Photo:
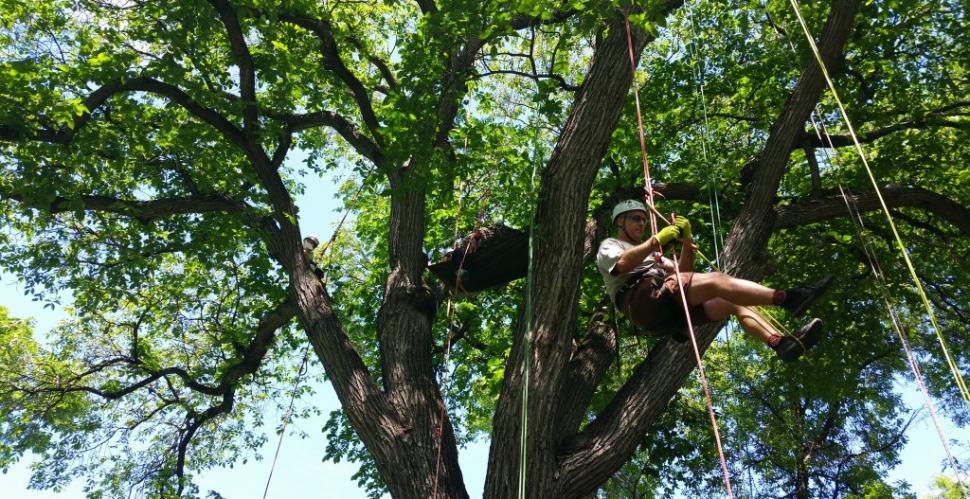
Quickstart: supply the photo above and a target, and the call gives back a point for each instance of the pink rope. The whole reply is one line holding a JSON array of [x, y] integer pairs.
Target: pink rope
[[700, 367], [894, 317], [648, 197], [647, 186]]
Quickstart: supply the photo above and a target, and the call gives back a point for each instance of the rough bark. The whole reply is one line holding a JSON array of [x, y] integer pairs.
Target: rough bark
[[561, 215], [399, 422], [750, 233], [589, 363]]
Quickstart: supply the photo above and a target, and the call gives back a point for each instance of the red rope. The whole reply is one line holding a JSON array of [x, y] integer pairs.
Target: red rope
[[897, 327], [647, 185], [700, 367], [894, 317], [469, 247], [648, 197]]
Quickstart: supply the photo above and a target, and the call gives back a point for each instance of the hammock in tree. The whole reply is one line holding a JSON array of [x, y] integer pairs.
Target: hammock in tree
[[493, 256]]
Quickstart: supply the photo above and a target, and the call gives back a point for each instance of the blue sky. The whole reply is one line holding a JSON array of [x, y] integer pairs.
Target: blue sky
[[300, 470]]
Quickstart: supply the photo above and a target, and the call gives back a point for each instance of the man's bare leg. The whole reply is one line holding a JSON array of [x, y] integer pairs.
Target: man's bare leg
[[719, 309], [787, 348], [708, 286]]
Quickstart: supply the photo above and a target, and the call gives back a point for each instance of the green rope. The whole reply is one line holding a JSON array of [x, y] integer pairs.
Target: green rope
[[527, 357], [954, 369]]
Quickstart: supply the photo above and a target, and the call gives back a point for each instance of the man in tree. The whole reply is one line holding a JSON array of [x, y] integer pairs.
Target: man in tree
[[644, 285]]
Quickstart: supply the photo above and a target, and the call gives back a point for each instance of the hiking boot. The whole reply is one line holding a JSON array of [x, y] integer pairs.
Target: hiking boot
[[793, 347], [798, 299]]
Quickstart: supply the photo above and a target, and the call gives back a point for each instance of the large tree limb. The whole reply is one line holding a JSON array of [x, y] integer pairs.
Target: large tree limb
[[142, 210], [523, 21], [587, 366], [565, 187], [606, 443], [344, 127], [101, 95], [247, 70], [453, 86], [378, 63], [925, 123], [896, 196], [750, 233], [333, 62]]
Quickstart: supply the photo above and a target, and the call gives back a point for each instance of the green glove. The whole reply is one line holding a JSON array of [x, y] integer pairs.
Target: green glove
[[684, 225], [667, 234]]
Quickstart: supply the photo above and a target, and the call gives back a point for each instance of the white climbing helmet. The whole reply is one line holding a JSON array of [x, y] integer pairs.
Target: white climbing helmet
[[628, 205]]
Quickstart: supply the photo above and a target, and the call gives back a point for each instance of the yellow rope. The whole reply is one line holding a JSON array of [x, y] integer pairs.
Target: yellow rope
[[961, 384]]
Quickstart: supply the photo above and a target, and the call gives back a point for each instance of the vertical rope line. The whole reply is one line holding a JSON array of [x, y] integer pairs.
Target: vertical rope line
[[871, 256], [697, 71], [306, 352], [873, 260], [648, 184], [700, 368], [527, 354], [446, 374], [954, 368], [286, 419], [449, 322]]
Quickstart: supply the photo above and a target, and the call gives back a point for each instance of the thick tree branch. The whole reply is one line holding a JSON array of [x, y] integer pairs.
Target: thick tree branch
[[427, 6], [645, 395], [378, 63], [586, 369], [247, 71], [749, 235], [453, 86], [565, 188], [101, 95], [925, 123], [344, 127], [604, 444], [333, 62], [523, 21], [896, 196], [563, 84], [142, 210]]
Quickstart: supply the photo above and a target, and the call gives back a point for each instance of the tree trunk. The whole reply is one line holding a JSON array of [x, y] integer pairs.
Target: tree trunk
[[398, 424], [559, 237]]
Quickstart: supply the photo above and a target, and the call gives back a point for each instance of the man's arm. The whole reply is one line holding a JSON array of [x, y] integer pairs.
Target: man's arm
[[634, 256], [686, 261]]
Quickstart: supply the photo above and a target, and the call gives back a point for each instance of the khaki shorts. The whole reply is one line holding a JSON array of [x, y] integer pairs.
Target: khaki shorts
[[659, 310]]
